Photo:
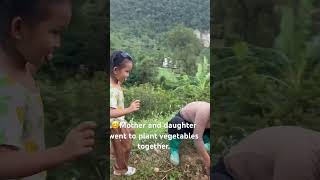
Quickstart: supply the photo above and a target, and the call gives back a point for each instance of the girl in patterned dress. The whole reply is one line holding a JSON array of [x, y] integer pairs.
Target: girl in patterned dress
[[29, 33], [121, 65]]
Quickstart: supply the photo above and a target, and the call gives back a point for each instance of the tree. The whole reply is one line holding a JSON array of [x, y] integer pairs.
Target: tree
[[185, 47], [159, 15]]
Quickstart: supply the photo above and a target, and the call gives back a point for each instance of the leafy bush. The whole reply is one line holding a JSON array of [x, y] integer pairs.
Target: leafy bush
[[260, 87], [164, 99], [154, 100]]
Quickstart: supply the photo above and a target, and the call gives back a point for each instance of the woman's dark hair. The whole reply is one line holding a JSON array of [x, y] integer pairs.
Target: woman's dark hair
[[118, 59], [32, 11]]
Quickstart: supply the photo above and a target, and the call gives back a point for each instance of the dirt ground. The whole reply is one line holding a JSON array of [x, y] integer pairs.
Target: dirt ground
[[155, 165]]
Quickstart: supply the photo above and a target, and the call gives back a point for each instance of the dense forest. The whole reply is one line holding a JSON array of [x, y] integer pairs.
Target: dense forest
[[152, 17], [266, 67], [153, 31]]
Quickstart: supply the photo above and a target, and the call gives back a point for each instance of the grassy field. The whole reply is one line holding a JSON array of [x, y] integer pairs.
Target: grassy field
[[154, 163]]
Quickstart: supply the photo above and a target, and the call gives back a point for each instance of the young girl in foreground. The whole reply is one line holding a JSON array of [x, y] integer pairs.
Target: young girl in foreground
[[29, 33], [121, 65]]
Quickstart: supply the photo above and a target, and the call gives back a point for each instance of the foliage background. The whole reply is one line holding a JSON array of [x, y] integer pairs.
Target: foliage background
[[265, 67], [73, 88]]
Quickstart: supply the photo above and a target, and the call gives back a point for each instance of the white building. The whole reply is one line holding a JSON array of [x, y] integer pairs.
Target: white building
[[204, 37]]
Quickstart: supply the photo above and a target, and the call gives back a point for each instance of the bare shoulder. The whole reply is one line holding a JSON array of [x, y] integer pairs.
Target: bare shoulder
[[202, 107], [198, 105]]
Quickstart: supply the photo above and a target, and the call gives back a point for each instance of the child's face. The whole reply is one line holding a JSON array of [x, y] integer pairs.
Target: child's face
[[122, 74], [38, 41]]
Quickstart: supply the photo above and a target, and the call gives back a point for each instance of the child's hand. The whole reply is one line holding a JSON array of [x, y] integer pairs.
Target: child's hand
[[135, 106], [80, 140]]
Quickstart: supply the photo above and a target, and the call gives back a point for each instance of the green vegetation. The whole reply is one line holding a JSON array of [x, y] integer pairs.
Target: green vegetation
[[73, 89], [171, 69], [73, 85], [155, 163], [258, 85]]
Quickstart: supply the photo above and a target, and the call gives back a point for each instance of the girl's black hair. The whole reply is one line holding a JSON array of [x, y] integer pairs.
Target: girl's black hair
[[117, 59], [32, 11]]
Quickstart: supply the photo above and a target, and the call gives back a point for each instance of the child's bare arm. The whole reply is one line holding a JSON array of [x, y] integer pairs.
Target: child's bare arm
[[135, 106], [15, 163], [114, 113]]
